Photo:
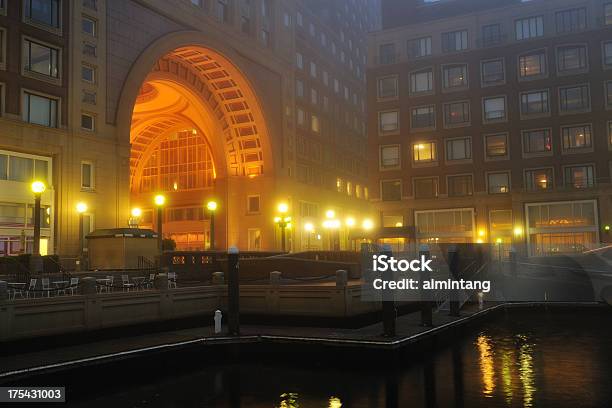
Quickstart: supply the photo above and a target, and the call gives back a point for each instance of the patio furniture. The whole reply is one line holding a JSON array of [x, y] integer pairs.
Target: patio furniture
[[15, 288], [104, 284], [126, 282], [171, 280], [32, 288], [138, 282], [151, 282], [45, 286], [61, 287], [74, 285]]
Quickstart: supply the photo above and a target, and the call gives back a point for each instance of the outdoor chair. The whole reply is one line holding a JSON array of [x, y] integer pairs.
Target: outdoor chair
[[45, 286], [126, 282], [171, 280], [74, 283], [151, 282], [32, 288]]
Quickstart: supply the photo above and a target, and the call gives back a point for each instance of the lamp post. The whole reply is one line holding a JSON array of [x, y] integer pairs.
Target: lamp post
[[331, 224], [309, 228], [81, 208], [159, 201], [350, 223], [212, 207], [283, 221], [134, 220], [38, 187]]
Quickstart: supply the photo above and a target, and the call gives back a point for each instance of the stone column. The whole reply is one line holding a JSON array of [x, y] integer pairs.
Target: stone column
[[161, 282]]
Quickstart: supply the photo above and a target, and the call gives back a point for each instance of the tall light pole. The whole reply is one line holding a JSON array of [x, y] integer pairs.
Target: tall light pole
[[134, 220], [81, 208], [350, 223], [212, 207], [38, 187], [309, 228], [159, 201], [283, 221]]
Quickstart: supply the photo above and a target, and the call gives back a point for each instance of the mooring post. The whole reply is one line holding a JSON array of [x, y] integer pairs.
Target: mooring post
[[426, 306], [388, 299], [453, 266], [513, 261], [233, 289]]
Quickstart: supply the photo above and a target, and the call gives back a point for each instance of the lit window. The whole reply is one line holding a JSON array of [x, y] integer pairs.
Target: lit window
[[539, 179], [571, 58], [315, 126], [41, 59], [391, 190], [459, 149], [40, 110], [45, 12], [494, 109], [425, 187], [493, 72], [388, 121], [389, 157], [537, 141], [89, 26], [421, 81], [496, 146], [574, 98], [457, 113], [529, 28], [582, 176], [498, 183], [421, 47], [88, 122], [87, 176], [533, 65], [571, 20], [388, 87], [424, 152], [454, 76], [423, 117], [455, 41], [576, 137], [534, 103], [460, 185]]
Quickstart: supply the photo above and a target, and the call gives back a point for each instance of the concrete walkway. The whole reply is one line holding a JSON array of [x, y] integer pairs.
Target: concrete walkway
[[408, 330]]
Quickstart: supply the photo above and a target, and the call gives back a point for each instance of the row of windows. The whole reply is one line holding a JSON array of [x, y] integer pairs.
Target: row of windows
[[535, 143], [498, 182], [535, 103], [566, 21], [531, 65]]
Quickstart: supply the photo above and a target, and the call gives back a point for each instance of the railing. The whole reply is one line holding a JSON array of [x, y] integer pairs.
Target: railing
[[14, 269]]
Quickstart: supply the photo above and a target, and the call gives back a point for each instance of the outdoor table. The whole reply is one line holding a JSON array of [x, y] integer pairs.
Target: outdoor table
[[16, 286], [104, 284], [61, 286], [138, 281]]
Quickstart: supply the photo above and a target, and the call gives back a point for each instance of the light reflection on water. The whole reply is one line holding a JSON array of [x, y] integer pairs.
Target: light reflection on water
[[522, 360]]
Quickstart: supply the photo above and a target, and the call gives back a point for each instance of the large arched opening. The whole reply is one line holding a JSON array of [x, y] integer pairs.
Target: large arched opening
[[197, 132]]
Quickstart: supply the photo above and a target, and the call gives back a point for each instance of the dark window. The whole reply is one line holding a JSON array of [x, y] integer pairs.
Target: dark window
[[455, 41], [423, 117], [571, 58], [420, 47], [45, 12], [571, 20], [534, 103], [459, 149], [459, 186], [537, 141], [575, 98], [391, 190], [456, 113], [454, 76], [41, 59], [387, 54], [493, 72], [498, 183], [491, 35], [426, 187]]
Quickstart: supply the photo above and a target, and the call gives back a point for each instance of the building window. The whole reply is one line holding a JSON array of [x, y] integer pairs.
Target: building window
[[299, 60], [41, 59], [607, 54], [388, 87], [454, 76], [300, 117], [425, 187], [576, 138], [534, 103], [388, 122], [221, 11], [571, 58], [609, 94], [390, 157], [299, 88], [89, 97], [457, 113], [315, 125], [313, 69], [421, 47], [571, 20], [608, 14], [89, 26], [537, 141], [421, 81], [496, 146], [539, 179], [582, 176], [88, 74], [424, 152], [459, 149], [491, 35], [532, 65], [610, 133], [314, 96], [531, 27], [574, 98], [391, 190], [2, 48], [493, 72], [45, 12], [387, 53], [460, 185], [87, 176], [40, 110], [498, 183], [253, 204], [423, 117], [494, 109], [455, 41], [88, 122]]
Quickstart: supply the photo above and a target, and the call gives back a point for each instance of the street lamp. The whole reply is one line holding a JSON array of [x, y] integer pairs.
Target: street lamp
[[309, 228], [367, 224], [135, 218], [350, 223], [38, 187], [283, 221], [159, 201], [81, 208], [331, 225], [212, 207]]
